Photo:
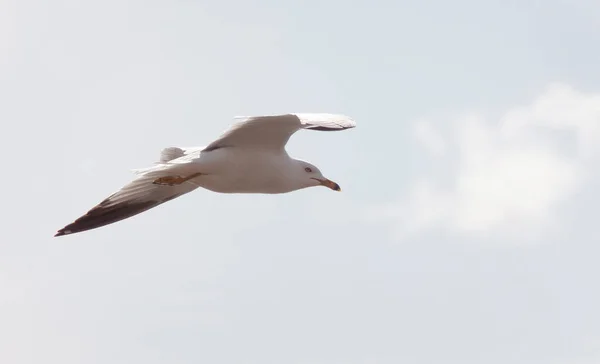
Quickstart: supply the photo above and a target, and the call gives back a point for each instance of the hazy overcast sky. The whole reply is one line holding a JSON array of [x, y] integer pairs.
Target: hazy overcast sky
[[466, 232]]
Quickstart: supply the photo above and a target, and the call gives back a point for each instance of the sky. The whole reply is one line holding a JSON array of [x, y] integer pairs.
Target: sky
[[466, 231]]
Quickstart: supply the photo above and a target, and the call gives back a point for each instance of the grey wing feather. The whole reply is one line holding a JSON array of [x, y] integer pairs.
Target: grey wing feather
[[325, 122], [170, 153], [136, 197], [274, 131]]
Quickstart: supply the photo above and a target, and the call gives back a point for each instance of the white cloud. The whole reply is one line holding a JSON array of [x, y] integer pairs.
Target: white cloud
[[511, 175], [589, 352]]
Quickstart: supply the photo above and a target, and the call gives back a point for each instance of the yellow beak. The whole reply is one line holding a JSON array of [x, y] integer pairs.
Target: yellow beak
[[328, 183]]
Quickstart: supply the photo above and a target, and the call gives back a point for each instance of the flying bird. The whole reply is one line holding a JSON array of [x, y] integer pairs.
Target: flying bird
[[249, 157]]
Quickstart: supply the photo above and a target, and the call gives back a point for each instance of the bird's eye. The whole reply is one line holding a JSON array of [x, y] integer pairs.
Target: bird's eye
[[307, 169]]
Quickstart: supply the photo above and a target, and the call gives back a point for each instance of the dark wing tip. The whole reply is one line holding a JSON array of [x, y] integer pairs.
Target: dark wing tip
[[65, 231], [325, 128], [326, 122], [102, 215], [332, 127]]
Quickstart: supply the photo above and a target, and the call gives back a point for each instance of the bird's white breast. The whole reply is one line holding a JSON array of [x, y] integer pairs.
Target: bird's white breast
[[242, 170]]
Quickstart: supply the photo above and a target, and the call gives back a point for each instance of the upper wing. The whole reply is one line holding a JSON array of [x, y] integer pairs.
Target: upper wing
[[274, 131], [137, 196]]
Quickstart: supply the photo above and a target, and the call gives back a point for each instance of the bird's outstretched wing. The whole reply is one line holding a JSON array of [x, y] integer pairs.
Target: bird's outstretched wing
[[274, 131], [138, 196]]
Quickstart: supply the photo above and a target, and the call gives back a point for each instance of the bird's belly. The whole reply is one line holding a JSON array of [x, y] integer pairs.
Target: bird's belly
[[246, 174], [234, 184]]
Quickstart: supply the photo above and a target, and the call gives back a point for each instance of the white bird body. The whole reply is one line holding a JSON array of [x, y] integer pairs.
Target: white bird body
[[250, 157], [235, 171]]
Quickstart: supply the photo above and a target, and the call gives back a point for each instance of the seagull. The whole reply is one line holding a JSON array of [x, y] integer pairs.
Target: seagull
[[249, 157]]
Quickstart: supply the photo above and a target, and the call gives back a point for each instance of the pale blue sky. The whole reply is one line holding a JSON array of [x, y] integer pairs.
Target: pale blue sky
[[466, 231]]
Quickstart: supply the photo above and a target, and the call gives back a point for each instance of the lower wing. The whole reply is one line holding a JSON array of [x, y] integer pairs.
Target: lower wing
[[139, 195]]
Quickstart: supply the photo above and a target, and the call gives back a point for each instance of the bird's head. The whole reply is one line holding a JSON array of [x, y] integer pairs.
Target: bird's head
[[311, 176]]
